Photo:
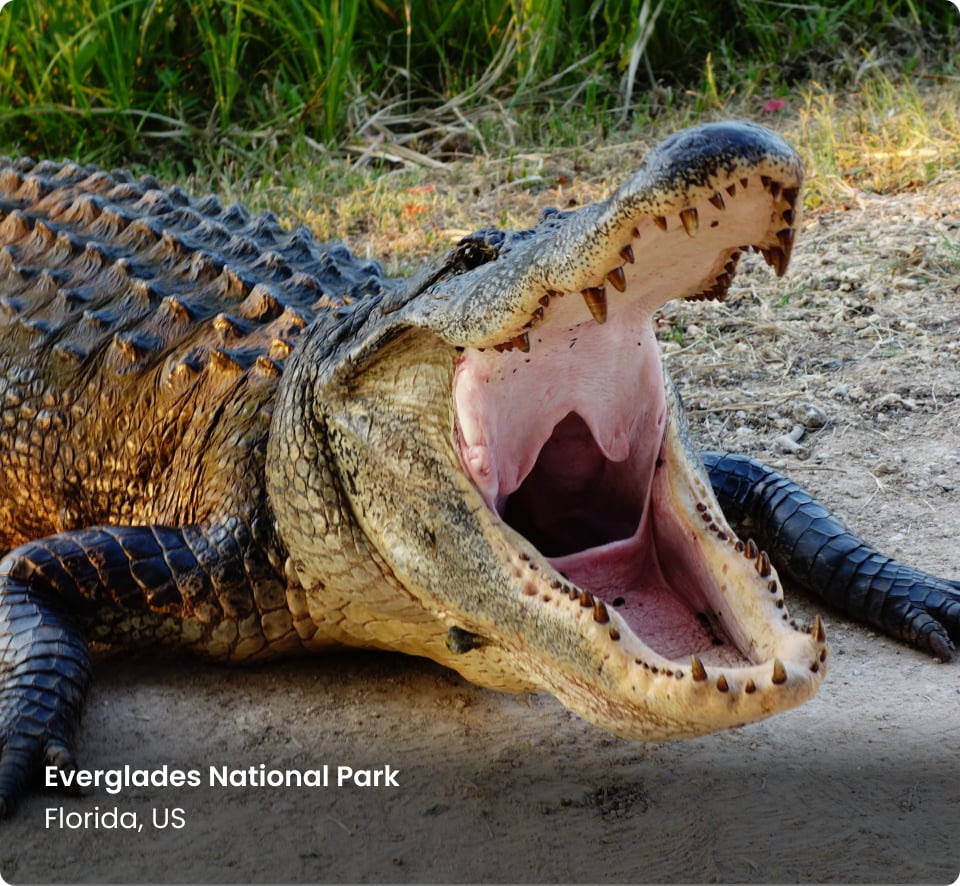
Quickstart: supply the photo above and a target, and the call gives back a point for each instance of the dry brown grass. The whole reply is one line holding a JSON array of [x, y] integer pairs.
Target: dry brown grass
[[863, 325]]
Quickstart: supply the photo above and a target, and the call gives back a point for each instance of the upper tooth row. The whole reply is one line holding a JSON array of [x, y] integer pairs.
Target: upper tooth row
[[595, 297]]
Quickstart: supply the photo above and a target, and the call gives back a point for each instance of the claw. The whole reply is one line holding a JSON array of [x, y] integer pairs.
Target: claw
[[941, 646]]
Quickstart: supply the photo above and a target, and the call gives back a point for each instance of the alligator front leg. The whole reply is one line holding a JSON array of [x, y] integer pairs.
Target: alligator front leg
[[44, 674], [816, 552], [204, 586]]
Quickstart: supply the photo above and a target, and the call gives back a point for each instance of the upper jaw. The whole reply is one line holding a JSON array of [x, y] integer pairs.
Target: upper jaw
[[675, 228]]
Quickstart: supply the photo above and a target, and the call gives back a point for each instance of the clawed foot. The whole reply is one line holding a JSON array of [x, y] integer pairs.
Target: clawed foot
[[933, 615], [44, 674], [20, 756]]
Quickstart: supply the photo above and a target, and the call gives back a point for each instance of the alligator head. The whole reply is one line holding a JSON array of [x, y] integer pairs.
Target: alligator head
[[488, 465]]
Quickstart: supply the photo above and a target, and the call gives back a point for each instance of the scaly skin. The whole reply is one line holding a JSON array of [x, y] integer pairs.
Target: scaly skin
[[218, 434]]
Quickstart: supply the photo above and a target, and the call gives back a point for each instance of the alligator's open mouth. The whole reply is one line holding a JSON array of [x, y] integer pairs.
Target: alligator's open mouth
[[573, 441]]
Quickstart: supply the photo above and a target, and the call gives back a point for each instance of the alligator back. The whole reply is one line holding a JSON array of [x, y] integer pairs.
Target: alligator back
[[142, 335]]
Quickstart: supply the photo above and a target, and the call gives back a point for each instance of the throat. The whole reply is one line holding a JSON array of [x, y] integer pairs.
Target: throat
[[575, 497]]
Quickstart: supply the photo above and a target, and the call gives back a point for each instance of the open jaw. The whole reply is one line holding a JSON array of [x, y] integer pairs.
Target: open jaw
[[574, 439]]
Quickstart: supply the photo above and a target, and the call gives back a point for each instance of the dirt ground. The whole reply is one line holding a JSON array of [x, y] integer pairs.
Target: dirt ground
[[862, 784]]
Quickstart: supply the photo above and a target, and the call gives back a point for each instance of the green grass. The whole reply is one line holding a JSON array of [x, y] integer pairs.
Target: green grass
[[201, 82]]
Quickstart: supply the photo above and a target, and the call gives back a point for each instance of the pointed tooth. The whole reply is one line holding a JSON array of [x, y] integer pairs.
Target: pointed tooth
[[586, 599], [690, 220], [731, 190], [775, 187], [790, 195], [776, 258], [785, 238], [779, 672], [618, 279], [765, 181], [717, 201], [744, 182], [750, 550], [749, 687], [545, 300], [627, 254], [596, 299], [600, 614], [522, 342], [783, 259], [722, 684], [730, 267], [763, 565], [660, 221], [697, 670], [789, 216], [819, 634], [538, 315]]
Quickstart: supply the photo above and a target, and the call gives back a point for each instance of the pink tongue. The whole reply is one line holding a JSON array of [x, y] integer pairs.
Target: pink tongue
[[574, 498], [628, 577]]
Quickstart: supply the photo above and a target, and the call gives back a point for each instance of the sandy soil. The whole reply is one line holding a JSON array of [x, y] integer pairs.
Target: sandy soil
[[860, 785]]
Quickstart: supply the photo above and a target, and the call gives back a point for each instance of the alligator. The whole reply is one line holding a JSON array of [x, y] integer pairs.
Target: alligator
[[225, 435]]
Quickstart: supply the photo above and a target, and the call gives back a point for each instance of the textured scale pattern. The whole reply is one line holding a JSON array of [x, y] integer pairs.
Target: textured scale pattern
[[148, 310], [142, 336]]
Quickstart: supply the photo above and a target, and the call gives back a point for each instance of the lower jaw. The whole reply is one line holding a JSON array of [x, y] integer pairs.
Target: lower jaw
[[670, 615], [653, 572]]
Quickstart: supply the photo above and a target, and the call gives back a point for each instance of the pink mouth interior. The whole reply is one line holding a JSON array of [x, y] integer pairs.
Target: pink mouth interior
[[575, 497], [564, 443]]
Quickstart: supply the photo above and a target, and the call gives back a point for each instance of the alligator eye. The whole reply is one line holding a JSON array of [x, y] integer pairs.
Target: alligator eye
[[476, 250]]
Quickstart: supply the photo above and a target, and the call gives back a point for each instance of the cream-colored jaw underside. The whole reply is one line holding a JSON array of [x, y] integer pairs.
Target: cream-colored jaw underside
[[646, 613]]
